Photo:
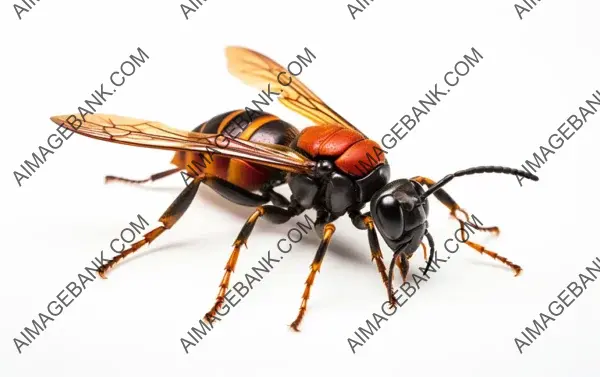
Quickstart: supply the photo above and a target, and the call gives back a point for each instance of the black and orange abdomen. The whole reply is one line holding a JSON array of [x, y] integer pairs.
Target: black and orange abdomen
[[262, 127], [351, 152]]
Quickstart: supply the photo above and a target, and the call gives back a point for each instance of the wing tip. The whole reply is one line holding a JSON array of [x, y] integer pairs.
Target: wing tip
[[230, 50], [58, 119], [66, 121], [235, 51], [235, 47]]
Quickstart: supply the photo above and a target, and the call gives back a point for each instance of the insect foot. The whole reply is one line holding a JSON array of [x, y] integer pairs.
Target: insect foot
[[208, 317], [294, 326], [518, 270], [466, 223], [102, 271]]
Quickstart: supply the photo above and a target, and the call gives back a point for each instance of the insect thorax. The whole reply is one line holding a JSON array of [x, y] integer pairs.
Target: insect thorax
[[335, 191]]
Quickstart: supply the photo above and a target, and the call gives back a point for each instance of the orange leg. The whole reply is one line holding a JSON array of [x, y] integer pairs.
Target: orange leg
[[230, 266], [447, 200], [399, 259], [362, 222], [376, 250], [492, 229], [516, 268], [168, 219], [424, 250], [328, 231]]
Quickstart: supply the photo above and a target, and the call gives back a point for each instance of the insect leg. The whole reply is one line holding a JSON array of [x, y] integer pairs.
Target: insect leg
[[432, 255], [516, 268], [168, 219], [273, 214], [362, 222], [327, 233], [403, 265], [424, 250], [152, 178], [447, 200]]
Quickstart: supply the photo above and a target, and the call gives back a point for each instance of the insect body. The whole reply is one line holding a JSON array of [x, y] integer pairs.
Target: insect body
[[256, 127], [338, 185], [331, 167]]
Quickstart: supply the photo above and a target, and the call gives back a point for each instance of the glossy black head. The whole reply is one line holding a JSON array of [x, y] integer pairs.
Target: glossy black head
[[399, 215]]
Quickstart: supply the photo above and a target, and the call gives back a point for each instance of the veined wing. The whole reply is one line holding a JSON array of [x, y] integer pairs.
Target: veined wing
[[149, 134], [259, 71]]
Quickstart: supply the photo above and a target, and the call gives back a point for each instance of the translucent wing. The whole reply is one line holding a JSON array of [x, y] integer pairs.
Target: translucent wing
[[258, 71], [143, 133]]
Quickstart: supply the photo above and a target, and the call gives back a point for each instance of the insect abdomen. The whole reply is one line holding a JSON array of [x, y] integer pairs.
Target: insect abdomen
[[263, 127]]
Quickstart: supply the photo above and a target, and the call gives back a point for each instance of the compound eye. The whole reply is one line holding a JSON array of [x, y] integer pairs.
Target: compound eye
[[389, 217]]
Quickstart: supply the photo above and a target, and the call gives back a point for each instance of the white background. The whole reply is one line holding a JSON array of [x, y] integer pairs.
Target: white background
[[535, 73]]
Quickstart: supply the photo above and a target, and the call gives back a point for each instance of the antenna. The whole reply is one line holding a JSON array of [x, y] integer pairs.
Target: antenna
[[476, 170]]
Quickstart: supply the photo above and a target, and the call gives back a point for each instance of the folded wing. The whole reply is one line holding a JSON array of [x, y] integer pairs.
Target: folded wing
[[149, 134]]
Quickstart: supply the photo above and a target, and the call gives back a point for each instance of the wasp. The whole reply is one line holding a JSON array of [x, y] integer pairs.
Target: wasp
[[323, 165]]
